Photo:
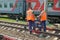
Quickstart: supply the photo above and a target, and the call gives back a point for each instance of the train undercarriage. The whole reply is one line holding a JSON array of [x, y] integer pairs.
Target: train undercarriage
[[50, 18], [54, 19]]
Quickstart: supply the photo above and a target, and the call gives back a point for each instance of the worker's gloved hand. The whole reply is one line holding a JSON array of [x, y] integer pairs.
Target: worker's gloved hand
[[38, 22], [37, 16]]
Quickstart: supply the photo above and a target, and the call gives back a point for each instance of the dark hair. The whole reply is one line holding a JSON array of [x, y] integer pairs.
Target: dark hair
[[29, 8], [29, 5]]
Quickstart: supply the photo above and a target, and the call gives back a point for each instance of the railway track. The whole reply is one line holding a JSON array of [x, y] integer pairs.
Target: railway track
[[21, 31]]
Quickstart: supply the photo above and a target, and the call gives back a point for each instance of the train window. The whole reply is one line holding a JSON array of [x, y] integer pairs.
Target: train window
[[5, 5], [59, 3], [11, 5], [0, 5], [50, 3], [21, 3], [50, 0]]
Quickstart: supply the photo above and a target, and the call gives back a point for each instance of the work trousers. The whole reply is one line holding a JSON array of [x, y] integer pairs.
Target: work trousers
[[43, 25], [31, 25]]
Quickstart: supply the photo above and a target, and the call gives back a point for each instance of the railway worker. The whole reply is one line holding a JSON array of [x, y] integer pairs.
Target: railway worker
[[42, 17], [30, 17]]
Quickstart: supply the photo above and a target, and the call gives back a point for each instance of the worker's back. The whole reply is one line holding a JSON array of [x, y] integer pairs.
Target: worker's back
[[30, 15], [43, 16]]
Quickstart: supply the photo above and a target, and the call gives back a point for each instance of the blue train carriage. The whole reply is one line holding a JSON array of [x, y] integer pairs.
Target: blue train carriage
[[18, 7], [13, 7]]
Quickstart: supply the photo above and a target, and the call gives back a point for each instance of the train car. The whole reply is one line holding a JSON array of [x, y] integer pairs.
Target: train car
[[13, 7], [18, 8]]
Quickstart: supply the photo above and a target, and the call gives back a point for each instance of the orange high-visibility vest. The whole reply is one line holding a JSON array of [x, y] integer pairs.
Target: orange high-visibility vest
[[30, 15], [43, 16]]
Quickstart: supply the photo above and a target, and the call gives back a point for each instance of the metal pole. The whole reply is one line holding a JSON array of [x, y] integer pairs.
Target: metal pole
[[45, 5]]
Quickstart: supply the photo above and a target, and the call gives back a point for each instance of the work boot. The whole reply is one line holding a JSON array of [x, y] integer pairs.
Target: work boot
[[30, 32], [33, 28]]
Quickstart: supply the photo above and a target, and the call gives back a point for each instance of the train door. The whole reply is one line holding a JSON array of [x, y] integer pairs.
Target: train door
[[24, 9], [21, 6]]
